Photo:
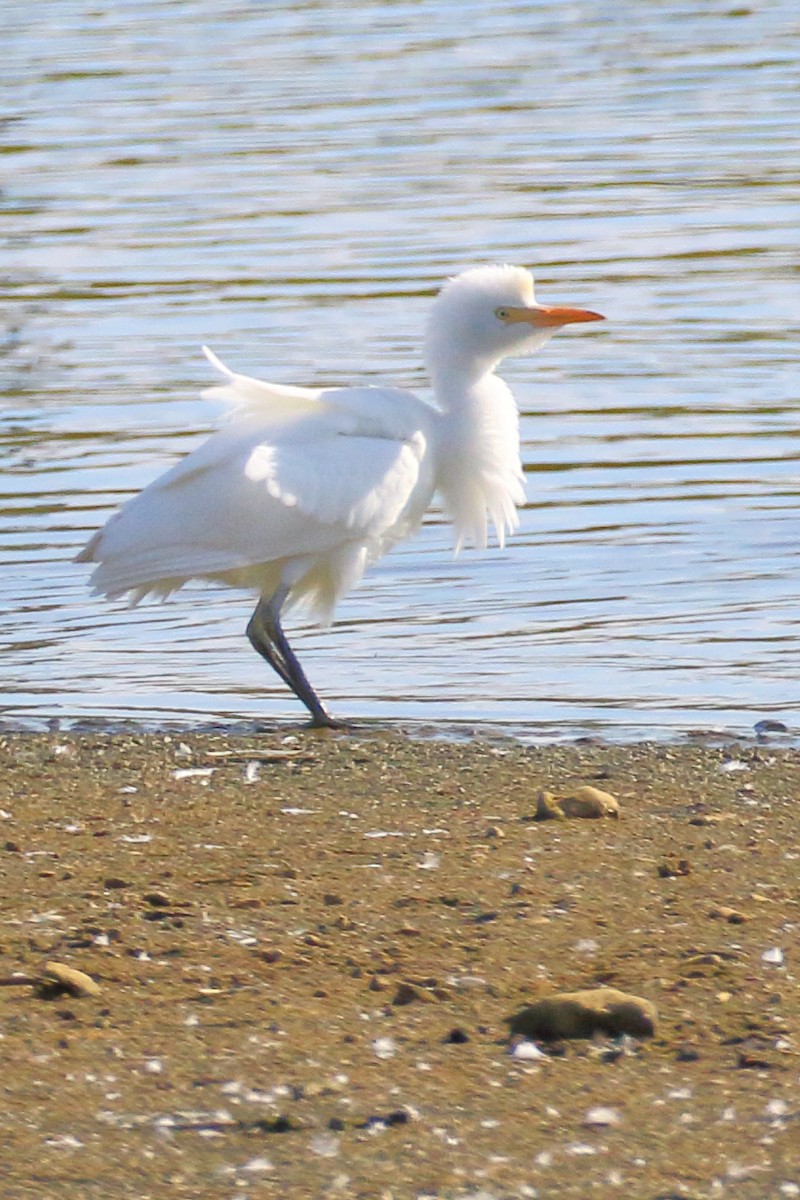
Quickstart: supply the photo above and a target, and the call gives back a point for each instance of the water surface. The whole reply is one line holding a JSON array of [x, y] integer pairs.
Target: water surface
[[290, 183]]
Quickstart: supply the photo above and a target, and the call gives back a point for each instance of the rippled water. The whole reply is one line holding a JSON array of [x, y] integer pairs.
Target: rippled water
[[290, 183]]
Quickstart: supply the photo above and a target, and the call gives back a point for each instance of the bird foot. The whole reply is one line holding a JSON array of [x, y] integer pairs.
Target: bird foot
[[320, 723]]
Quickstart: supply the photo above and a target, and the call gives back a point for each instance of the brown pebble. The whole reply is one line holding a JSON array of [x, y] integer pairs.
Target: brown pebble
[[582, 1014], [113, 882], [331, 899], [378, 983], [588, 802], [408, 993], [731, 915], [671, 868], [157, 899], [77, 983], [751, 1062]]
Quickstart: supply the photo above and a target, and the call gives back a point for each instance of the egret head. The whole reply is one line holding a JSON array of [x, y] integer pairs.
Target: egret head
[[486, 314]]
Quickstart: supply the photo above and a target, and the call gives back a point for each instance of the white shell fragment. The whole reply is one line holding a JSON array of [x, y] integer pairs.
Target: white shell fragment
[[527, 1051], [602, 1115]]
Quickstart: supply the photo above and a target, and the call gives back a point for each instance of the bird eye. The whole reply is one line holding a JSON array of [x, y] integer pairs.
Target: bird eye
[[502, 314]]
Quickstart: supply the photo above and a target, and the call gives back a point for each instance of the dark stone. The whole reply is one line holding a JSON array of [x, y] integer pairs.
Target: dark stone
[[456, 1037]]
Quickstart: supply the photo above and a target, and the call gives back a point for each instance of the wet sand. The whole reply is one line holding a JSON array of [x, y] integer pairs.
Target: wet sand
[[308, 948]]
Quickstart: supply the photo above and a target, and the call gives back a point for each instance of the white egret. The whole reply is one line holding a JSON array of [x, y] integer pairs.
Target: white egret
[[303, 487]]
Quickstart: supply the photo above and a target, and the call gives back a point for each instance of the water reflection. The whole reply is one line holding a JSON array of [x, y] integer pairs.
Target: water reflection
[[289, 183]]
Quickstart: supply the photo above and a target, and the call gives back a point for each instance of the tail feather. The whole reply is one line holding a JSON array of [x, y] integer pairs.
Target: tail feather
[[87, 554]]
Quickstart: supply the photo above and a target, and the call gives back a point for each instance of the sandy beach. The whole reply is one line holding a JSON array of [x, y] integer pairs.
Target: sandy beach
[[308, 947]]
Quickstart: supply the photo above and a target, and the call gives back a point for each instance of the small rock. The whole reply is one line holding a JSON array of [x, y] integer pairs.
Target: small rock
[[331, 899], [582, 1014], [399, 1117], [156, 899], [408, 993], [671, 868], [587, 801], [252, 772], [378, 983], [258, 1164], [324, 1145], [525, 1051], [384, 1047], [762, 728], [601, 1116], [751, 1062], [68, 979], [731, 915], [279, 1124], [687, 1053], [115, 883], [456, 1037]]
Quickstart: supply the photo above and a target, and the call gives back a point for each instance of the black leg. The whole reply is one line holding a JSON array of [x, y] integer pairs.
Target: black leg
[[267, 637]]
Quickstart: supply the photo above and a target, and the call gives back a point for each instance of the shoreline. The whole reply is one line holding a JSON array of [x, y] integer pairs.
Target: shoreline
[[764, 731], [252, 907]]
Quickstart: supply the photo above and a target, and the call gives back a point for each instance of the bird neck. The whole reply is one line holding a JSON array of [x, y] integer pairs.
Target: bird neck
[[480, 473]]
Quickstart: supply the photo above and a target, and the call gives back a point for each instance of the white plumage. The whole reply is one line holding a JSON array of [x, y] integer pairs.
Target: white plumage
[[302, 488]]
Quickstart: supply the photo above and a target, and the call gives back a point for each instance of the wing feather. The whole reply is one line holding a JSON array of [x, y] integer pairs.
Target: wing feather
[[359, 483], [279, 401], [254, 495]]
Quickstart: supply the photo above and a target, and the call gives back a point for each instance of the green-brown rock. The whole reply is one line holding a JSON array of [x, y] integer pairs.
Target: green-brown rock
[[582, 1014]]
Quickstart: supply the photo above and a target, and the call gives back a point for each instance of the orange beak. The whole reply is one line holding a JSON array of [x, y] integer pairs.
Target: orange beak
[[552, 316]]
